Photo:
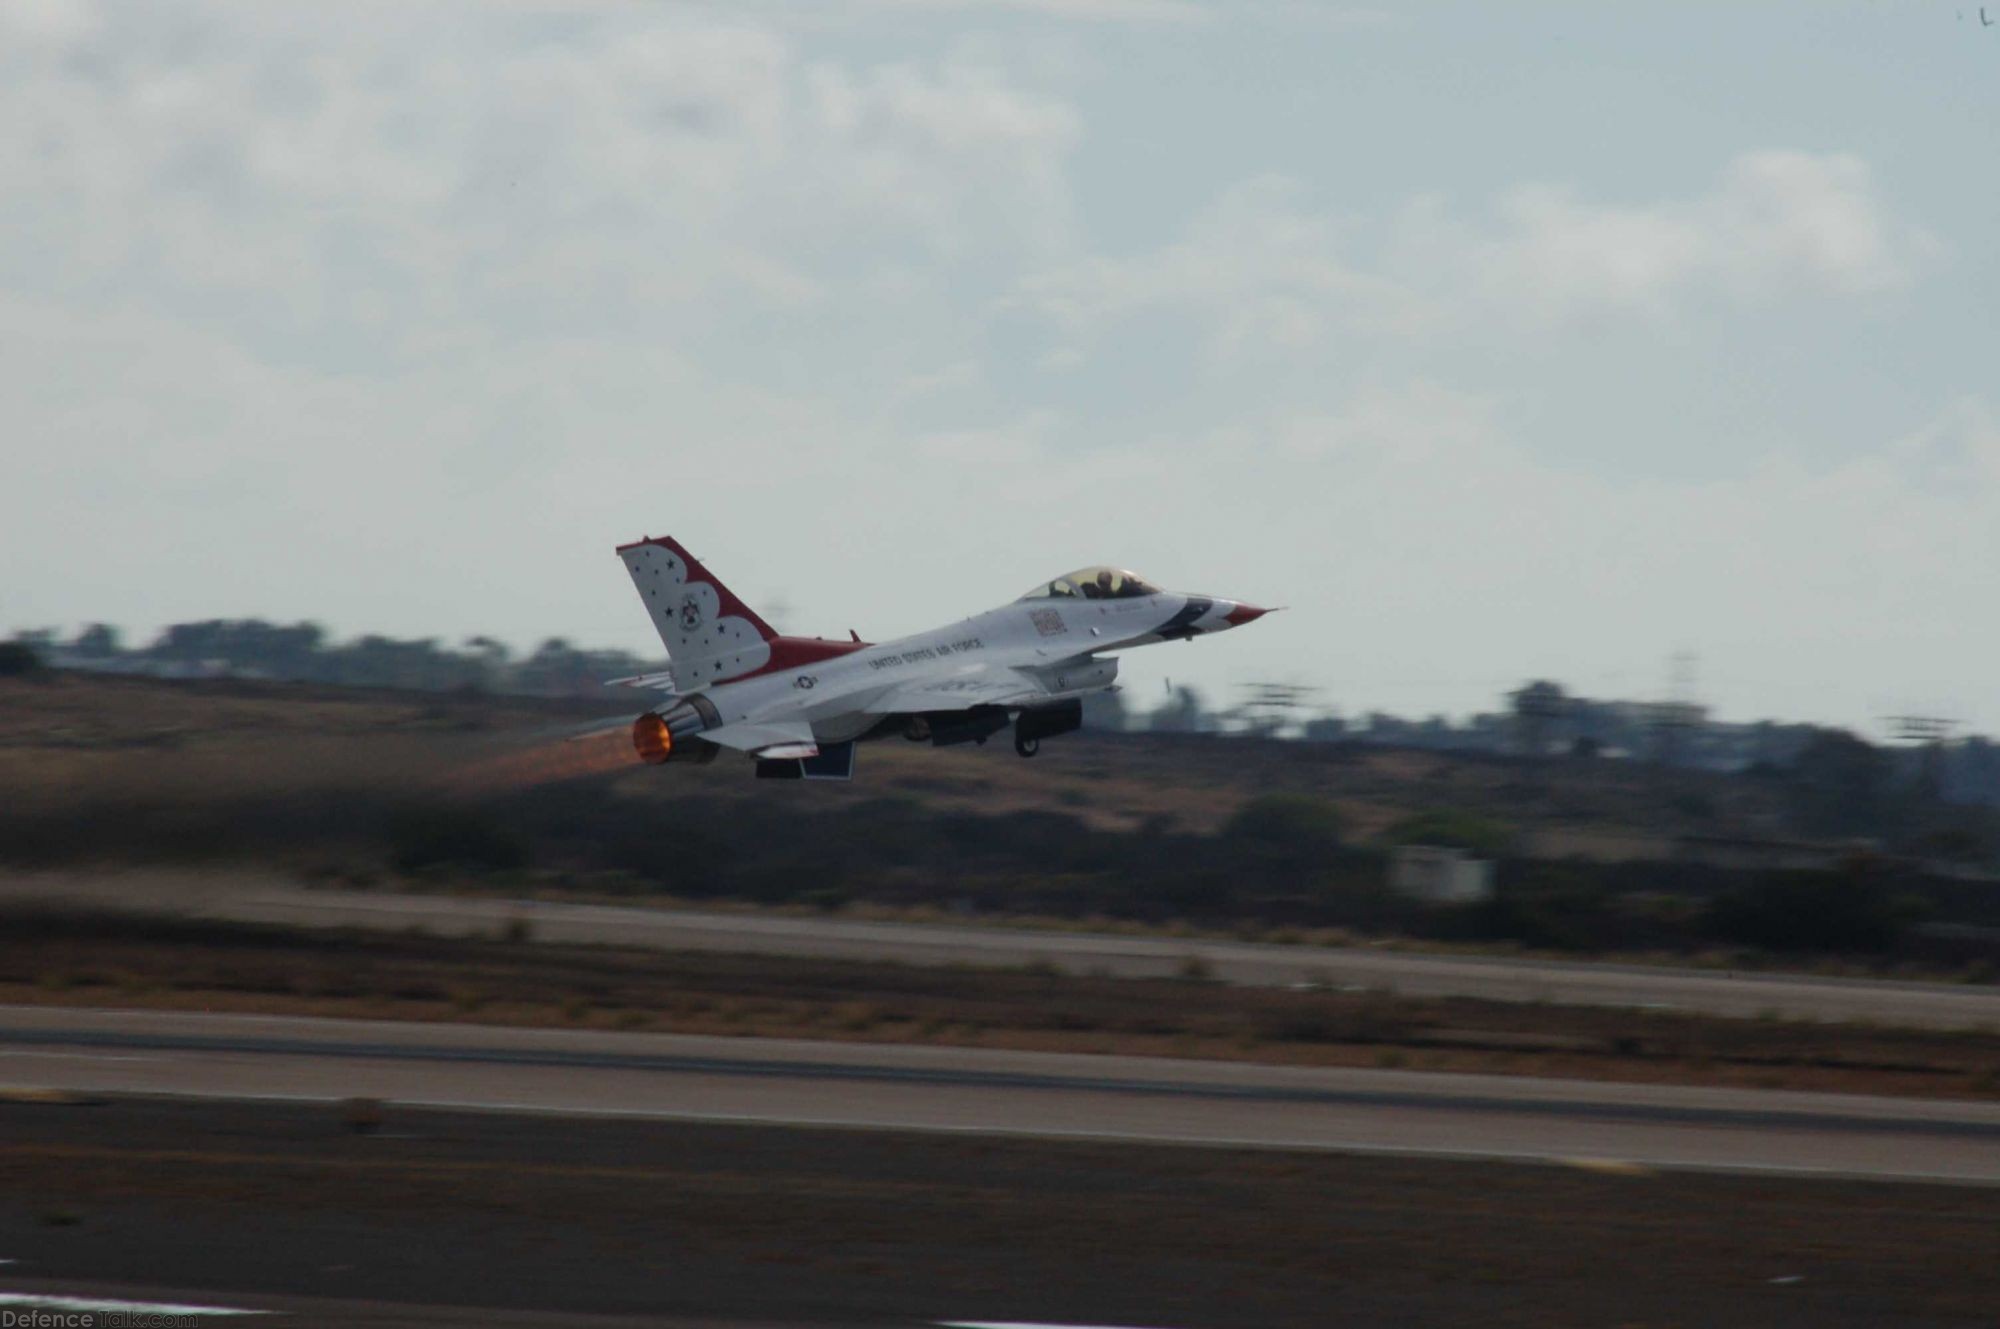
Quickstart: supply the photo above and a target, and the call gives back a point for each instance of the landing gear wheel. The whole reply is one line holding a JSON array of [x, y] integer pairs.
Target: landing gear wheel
[[1027, 747]]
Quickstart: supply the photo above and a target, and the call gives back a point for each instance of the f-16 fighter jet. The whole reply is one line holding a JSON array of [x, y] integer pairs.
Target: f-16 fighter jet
[[798, 705]]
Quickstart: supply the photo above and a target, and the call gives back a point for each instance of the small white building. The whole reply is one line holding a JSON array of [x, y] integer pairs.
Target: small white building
[[1437, 875]]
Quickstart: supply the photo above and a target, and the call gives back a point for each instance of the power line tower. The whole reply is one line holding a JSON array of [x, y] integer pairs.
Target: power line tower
[[1929, 733], [1675, 721], [1267, 708], [1539, 708]]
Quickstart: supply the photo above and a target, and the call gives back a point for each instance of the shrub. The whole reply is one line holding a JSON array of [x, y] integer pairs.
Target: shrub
[[18, 658], [1560, 906], [1851, 910], [1286, 821], [1454, 830], [452, 836]]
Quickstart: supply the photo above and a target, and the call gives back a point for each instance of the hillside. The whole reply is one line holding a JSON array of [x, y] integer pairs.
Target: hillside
[[360, 787], [87, 735]]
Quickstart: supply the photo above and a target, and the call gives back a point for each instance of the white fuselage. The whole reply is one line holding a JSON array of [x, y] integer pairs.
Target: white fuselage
[[1052, 643]]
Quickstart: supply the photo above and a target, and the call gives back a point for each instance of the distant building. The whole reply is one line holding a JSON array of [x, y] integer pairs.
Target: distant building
[[142, 666], [1437, 875]]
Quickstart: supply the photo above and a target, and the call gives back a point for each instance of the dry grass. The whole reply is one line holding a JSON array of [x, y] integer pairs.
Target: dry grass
[[79, 958], [72, 736]]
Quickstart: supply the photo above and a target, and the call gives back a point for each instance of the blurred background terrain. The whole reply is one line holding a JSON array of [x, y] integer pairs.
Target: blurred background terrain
[[455, 768]]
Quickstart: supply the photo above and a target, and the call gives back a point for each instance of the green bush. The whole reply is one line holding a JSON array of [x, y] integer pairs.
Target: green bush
[[1454, 830]]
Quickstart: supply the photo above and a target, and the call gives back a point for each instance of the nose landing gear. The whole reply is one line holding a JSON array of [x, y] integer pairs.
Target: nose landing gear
[[1026, 747]]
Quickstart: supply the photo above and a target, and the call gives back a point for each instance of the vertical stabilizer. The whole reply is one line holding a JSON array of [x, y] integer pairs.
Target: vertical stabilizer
[[709, 633]]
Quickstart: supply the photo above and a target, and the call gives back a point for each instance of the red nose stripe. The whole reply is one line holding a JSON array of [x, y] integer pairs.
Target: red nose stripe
[[1242, 614]]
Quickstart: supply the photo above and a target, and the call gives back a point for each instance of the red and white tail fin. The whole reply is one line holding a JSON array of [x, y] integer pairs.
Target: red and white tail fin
[[709, 633]]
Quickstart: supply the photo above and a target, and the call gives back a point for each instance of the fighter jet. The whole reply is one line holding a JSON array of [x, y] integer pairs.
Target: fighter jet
[[798, 705]]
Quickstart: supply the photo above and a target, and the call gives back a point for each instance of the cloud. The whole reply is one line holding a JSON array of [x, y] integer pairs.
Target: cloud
[[1776, 223], [290, 303], [1266, 271], [1100, 11], [1259, 268], [312, 183], [58, 23], [1318, 15], [1955, 453]]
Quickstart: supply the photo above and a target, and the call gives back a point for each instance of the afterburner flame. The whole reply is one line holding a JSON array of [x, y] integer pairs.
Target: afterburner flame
[[545, 763], [651, 739]]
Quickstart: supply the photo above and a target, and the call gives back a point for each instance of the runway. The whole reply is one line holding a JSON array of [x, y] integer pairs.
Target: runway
[[999, 1093], [206, 1206], [1739, 994], [1410, 973], [66, 1301]]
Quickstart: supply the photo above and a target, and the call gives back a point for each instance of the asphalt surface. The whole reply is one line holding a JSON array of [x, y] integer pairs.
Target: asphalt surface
[[1741, 994], [472, 1218], [144, 1304], [1915, 1005], [978, 1091]]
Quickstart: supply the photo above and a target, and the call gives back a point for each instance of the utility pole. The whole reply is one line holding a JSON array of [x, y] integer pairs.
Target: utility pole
[[1675, 720]]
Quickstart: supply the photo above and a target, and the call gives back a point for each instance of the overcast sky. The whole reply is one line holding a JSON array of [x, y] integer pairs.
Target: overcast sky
[[1495, 341]]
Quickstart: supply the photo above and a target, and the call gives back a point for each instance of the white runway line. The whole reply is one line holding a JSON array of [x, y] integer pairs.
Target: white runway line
[[45, 1302], [1466, 1155], [1020, 1324]]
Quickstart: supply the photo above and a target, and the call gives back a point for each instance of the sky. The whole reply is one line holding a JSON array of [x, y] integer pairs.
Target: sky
[[1495, 342]]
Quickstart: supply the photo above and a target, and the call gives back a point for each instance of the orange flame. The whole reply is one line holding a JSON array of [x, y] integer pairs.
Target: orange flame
[[651, 739], [546, 763]]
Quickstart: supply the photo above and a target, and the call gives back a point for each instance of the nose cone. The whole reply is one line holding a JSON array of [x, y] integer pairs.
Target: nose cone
[[1239, 614]]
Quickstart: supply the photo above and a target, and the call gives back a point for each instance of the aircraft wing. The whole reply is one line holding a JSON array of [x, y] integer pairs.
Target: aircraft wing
[[974, 685]]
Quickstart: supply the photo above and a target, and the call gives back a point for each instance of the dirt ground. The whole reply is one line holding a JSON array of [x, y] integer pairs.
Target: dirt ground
[[87, 958], [797, 1225]]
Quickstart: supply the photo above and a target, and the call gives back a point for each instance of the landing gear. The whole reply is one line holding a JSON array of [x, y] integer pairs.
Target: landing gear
[[1036, 723]]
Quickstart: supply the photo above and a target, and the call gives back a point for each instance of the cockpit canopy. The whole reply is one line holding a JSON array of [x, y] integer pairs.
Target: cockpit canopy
[[1094, 584]]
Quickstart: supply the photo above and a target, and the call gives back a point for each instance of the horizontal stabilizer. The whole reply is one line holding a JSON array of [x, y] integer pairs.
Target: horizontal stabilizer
[[789, 738], [664, 679]]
